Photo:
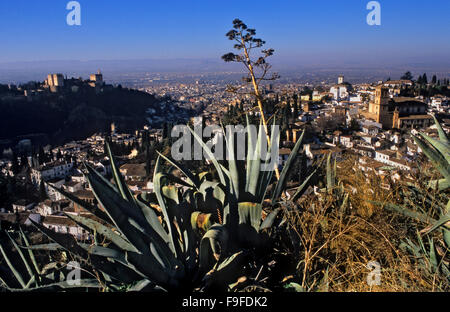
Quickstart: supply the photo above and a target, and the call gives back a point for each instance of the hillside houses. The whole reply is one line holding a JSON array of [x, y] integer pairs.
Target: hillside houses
[[57, 169]]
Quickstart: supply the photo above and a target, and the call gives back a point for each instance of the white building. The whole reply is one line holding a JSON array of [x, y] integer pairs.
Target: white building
[[50, 171], [389, 157], [64, 225], [341, 90]]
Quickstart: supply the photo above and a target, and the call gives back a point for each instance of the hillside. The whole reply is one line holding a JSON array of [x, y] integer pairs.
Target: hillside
[[68, 115]]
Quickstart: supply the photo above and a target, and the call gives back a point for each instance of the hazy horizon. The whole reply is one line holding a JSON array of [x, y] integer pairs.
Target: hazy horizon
[[189, 36], [21, 72]]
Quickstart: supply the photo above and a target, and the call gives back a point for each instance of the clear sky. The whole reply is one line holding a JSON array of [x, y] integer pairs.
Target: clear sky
[[312, 30]]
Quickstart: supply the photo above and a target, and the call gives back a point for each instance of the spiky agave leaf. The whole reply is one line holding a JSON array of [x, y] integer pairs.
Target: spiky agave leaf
[[436, 158], [283, 176], [442, 135]]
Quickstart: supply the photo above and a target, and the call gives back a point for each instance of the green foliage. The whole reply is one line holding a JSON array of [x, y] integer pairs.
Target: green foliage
[[178, 238], [438, 216], [23, 273]]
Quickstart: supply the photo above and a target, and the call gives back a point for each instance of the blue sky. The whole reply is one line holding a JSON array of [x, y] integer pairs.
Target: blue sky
[[312, 31]]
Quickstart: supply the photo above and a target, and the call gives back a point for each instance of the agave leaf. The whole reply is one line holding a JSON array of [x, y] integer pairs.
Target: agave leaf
[[325, 281], [3, 283], [99, 228], [446, 234], [30, 252], [250, 213], [344, 202], [141, 285], [114, 254], [293, 287], [443, 220], [129, 219], [267, 174], [330, 179], [192, 179], [83, 283], [91, 208], [107, 195], [302, 188], [212, 246], [22, 256], [46, 247], [443, 148], [442, 136], [68, 242], [177, 180], [226, 271], [270, 219], [153, 221], [154, 272], [433, 258], [201, 221], [190, 246], [118, 178], [250, 152], [157, 177], [225, 171], [443, 184], [254, 161], [212, 193], [402, 210], [16, 273], [435, 157], [232, 163], [283, 176], [210, 155]]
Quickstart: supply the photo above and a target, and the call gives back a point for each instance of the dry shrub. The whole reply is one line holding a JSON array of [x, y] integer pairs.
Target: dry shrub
[[343, 241]]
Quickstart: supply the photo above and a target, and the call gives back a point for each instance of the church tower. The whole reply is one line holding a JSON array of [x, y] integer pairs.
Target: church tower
[[380, 107]]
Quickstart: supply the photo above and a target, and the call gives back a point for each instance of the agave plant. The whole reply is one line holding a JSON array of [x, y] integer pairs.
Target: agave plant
[[438, 152], [177, 238], [428, 258], [143, 249], [231, 214], [23, 273], [334, 189]]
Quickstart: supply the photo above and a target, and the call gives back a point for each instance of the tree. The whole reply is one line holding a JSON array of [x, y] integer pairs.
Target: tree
[[295, 112], [424, 78], [434, 79], [407, 76], [288, 111], [23, 162], [41, 155], [419, 80], [354, 125], [42, 191], [258, 69], [15, 164]]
